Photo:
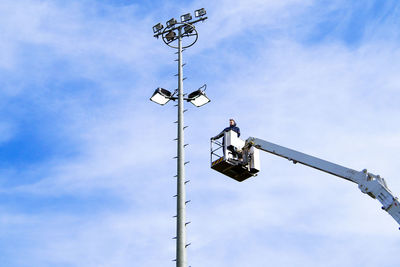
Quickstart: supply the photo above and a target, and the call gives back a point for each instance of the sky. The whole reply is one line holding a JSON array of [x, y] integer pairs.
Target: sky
[[86, 160]]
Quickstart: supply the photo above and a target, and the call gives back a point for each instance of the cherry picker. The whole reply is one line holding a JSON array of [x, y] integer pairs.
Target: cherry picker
[[240, 159]]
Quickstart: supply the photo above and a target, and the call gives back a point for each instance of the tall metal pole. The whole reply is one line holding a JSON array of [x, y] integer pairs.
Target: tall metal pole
[[181, 198], [169, 36]]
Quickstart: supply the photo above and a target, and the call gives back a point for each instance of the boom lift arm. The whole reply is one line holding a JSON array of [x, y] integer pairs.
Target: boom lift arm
[[247, 165]]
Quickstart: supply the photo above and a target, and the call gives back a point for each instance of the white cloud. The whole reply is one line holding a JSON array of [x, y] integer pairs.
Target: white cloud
[[325, 99]]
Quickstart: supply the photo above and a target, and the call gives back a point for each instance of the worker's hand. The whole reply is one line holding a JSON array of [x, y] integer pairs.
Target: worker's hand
[[212, 138]]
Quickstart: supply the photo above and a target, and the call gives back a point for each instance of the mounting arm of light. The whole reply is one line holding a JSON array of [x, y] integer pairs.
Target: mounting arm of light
[[198, 97]]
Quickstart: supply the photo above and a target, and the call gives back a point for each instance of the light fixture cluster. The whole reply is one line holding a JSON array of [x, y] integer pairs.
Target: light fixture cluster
[[176, 30], [184, 19], [198, 98]]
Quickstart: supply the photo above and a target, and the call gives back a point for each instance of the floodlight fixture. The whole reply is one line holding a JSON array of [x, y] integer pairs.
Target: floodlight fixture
[[189, 29], [186, 17], [170, 36], [200, 12], [198, 98], [161, 96], [157, 28], [171, 22]]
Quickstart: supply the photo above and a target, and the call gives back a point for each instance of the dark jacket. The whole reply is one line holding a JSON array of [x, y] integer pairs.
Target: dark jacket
[[227, 129]]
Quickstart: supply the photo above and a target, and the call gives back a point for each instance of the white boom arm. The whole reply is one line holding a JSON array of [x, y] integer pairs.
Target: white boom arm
[[368, 183]]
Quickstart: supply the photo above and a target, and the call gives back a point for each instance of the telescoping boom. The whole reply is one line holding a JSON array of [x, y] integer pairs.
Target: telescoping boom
[[240, 160]]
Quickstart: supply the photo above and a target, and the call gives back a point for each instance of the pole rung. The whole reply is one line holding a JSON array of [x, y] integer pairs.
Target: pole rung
[[187, 245], [187, 181], [187, 201], [175, 196], [187, 162], [185, 127], [175, 216], [185, 145], [187, 223], [174, 157]]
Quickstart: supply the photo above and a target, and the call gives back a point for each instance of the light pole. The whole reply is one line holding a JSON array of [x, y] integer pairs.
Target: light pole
[[172, 36]]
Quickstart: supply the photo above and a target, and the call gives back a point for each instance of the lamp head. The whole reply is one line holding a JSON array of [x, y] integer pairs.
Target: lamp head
[[161, 96], [157, 28], [200, 12], [170, 36], [198, 98], [189, 29], [186, 17], [171, 22]]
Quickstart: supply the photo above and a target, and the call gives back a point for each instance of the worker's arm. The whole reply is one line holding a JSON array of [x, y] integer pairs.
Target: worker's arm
[[218, 135]]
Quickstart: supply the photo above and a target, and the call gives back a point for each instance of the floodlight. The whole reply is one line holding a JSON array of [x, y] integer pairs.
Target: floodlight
[[157, 28], [171, 22], [161, 96], [198, 98], [170, 36], [200, 12], [189, 29], [186, 17]]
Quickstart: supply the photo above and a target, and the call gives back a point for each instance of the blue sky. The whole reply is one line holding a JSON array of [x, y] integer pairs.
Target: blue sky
[[86, 160]]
